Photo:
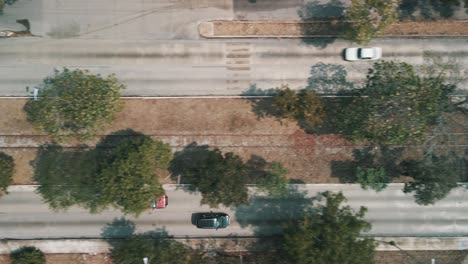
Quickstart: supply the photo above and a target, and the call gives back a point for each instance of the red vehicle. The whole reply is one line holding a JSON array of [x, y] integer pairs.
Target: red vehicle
[[160, 202]]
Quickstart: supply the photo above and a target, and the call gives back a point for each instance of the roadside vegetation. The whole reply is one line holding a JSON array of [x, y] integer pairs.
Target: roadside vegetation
[[120, 172], [304, 106], [321, 229], [75, 104], [27, 255], [7, 170], [326, 232], [397, 105], [368, 18], [434, 176], [329, 234], [222, 177]]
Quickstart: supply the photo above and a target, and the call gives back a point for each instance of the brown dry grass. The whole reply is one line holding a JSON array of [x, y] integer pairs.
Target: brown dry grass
[[381, 257], [69, 259], [228, 124], [299, 28]]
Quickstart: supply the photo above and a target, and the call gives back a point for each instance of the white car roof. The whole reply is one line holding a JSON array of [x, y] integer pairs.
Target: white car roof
[[367, 53]]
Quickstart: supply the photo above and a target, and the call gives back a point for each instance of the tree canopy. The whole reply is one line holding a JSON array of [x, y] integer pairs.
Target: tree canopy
[[433, 177], [329, 235], [75, 104], [7, 169], [368, 18], [27, 255], [120, 172], [396, 105], [374, 178], [222, 177], [127, 178], [304, 106], [157, 250]]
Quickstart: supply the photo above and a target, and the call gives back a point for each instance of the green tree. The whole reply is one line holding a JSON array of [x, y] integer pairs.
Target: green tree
[[27, 255], [304, 106], [396, 105], [157, 250], [329, 235], [273, 181], [120, 172], [127, 177], [7, 169], [374, 178], [220, 178], [368, 18], [433, 176], [75, 104], [67, 178]]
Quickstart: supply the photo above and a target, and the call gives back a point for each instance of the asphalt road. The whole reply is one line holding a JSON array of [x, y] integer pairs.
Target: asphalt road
[[392, 213], [204, 67]]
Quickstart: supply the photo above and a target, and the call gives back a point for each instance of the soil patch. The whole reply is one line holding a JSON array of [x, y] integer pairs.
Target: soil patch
[[381, 257], [69, 259]]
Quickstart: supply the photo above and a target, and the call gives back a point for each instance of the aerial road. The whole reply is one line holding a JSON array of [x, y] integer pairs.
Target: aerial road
[[391, 212], [202, 67]]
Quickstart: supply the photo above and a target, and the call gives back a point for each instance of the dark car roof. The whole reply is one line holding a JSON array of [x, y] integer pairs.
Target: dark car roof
[[213, 220]]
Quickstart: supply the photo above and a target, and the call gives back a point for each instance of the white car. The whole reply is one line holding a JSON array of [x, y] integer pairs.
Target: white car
[[364, 53]]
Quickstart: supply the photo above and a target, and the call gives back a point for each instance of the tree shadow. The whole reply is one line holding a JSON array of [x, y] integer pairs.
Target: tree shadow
[[119, 228], [326, 18], [328, 79], [267, 215], [68, 177], [257, 167], [336, 119], [261, 107], [188, 159], [104, 148], [65, 177], [254, 91], [369, 157], [240, 6], [429, 9], [311, 11]]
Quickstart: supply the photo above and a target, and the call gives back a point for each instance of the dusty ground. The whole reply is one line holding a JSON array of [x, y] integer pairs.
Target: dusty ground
[[413, 257], [69, 259], [382, 257], [298, 29], [228, 124]]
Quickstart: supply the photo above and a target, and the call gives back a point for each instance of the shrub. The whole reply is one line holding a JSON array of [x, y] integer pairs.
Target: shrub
[[7, 169], [374, 178], [27, 255]]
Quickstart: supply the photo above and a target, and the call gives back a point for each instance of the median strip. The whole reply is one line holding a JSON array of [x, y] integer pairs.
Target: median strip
[[304, 29]]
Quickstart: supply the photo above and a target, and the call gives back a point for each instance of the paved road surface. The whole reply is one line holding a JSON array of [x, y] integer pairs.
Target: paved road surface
[[209, 67], [392, 213]]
